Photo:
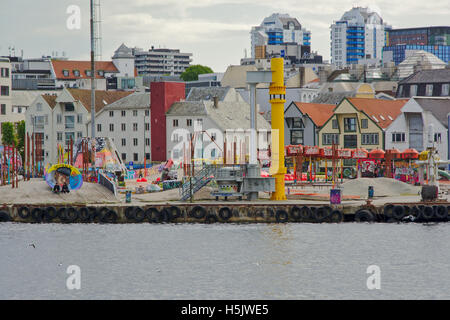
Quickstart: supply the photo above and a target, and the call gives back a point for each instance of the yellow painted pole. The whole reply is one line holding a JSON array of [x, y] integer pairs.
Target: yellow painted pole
[[277, 92]]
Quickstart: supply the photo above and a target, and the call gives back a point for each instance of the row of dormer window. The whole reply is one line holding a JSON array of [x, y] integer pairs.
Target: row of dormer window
[[77, 73]]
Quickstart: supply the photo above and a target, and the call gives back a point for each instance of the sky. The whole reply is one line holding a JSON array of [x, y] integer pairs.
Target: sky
[[217, 32]]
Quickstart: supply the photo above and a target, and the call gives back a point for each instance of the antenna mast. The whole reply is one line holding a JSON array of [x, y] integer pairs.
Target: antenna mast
[[92, 71], [97, 30]]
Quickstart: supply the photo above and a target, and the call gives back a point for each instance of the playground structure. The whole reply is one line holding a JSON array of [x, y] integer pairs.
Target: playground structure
[[10, 163], [311, 164], [14, 168]]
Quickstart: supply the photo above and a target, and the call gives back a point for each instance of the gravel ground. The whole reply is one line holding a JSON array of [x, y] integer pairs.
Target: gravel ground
[[383, 187]]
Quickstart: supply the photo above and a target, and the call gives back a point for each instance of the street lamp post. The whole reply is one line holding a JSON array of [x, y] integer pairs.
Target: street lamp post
[[145, 144]]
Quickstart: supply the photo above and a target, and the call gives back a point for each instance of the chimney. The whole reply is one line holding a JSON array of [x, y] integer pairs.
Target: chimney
[[302, 76], [216, 101]]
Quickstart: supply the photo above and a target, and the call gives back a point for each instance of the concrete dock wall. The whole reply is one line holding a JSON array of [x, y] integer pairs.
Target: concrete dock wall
[[225, 213]]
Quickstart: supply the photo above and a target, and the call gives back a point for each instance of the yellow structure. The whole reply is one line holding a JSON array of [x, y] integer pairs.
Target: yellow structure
[[277, 92]]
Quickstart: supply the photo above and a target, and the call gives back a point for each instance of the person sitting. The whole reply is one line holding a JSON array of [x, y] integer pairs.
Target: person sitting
[[62, 176], [65, 188], [56, 188]]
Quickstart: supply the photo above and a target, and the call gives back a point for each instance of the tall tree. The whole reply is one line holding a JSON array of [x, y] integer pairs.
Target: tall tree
[[21, 137], [191, 73], [8, 134]]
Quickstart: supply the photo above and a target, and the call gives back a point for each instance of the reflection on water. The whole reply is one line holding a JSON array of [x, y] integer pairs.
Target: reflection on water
[[225, 261]]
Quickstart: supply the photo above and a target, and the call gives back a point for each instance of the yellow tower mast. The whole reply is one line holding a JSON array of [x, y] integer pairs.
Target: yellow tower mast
[[277, 92]]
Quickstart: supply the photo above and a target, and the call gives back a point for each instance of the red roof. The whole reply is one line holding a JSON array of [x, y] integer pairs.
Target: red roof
[[318, 112], [50, 99], [59, 66], [315, 80], [383, 112], [102, 98]]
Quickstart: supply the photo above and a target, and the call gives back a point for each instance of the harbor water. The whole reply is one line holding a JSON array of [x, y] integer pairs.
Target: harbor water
[[225, 261]]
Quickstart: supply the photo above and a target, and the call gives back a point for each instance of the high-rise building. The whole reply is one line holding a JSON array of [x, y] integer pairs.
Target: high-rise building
[[160, 62], [280, 34], [358, 38], [401, 43]]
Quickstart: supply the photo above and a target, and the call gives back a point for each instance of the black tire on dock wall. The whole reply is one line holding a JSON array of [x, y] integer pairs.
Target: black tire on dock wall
[[415, 212], [165, 215], [84, 214], [139, 214], [305, 213], [427, 213], [398, 212], [364, 216], [37, 214], [92, 213], [110, 216], [336, 216], [281, 216], [259, 213], [153, 215], [175, 212], [388, 210], [49, 214], [211, 218], [321, 213], [225, 213], [23, 212], [61, 212], [270, 212], [441, 213], [130, 213], [198, 212], [97, 216], [4, 216], [407, 210], [70, 215], [295, 213]]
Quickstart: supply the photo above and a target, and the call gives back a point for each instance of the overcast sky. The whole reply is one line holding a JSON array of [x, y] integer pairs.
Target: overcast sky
[[216, 31]]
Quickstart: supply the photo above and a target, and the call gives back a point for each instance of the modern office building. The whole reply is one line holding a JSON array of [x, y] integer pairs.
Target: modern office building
[[280, 34], [401, 42], [434, 36], [160, 62], [358, 38]]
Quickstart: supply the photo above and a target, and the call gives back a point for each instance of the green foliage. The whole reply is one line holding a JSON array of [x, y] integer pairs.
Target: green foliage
[[8, 134], [191, 73], [21, 137]]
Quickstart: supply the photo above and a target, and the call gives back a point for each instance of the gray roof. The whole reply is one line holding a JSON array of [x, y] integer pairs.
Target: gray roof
[[137, 100], [234, 115], [428, 76], [333, 97], [207, 93], [229, 115], [123, 52], [439, 107], [187, 108]]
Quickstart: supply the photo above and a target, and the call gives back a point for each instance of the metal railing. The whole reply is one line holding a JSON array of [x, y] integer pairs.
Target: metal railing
[[104, 181]]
